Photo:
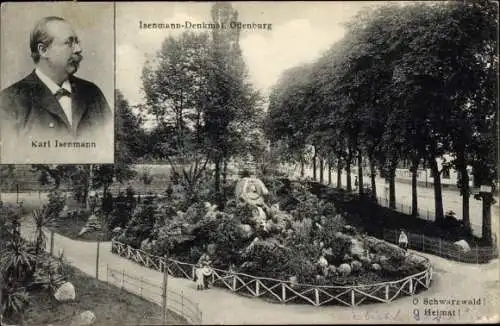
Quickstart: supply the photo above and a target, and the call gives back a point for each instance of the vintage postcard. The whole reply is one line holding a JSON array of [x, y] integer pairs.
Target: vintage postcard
[[275, 163], [57, 81]]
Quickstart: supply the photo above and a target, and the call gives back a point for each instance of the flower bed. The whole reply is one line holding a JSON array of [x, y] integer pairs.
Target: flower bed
[[282, 233], [286, 291]]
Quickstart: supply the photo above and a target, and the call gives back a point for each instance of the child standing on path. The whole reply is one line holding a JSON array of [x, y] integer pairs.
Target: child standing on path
[[403, 240]]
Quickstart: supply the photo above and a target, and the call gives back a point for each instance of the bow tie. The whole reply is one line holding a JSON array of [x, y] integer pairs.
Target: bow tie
[[61, 92]]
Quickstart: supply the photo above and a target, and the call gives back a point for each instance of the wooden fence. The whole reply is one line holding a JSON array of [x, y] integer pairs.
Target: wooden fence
[[173, 301], [439, 247], [286, 291]]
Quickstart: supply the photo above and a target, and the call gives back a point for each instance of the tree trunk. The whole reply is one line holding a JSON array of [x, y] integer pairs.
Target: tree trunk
[[21, 318], [88, 186], [414, 196], [486, 228], [302, 167], [339, 173], [329, 173], [348, 171], [438, 195], [105, 189], [224, 178], [321, 167], [465, 192], [57, 182], [314, 164], [360, 173], [1, 301], [392, 188], [224, 172], [372, 177], [217, 175]]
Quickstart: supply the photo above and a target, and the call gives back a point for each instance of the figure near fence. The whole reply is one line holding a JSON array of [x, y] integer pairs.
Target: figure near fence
[[403, 240], [204, 270]]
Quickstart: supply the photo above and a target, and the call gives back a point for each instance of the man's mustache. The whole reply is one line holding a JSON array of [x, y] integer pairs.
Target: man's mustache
[[76, 59]]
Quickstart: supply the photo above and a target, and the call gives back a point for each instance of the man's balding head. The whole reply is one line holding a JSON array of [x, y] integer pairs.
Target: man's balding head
[[55, 48], [39, 35]]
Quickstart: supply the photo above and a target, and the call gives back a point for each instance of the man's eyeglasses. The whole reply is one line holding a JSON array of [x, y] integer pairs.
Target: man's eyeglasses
[[72, 42]]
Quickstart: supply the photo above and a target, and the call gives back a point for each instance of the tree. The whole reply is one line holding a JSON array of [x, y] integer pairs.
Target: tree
[[407, 83], [128, 136], [285, 121], [41, 217], [57, 173], [443, 79], [205, 109], [473, 28], [17, 265], [6, 175], [176, 92], [232, 99]]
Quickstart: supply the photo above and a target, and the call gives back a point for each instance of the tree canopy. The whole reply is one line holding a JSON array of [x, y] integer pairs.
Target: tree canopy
[[411, 82]]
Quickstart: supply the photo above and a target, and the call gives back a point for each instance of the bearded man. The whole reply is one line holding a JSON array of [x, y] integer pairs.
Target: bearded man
[[51, 101]]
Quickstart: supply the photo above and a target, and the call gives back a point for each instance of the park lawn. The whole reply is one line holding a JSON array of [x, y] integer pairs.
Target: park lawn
[[110, 304]]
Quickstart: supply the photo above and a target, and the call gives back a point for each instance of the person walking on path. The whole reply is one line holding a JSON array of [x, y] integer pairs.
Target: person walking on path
[[403, 240]]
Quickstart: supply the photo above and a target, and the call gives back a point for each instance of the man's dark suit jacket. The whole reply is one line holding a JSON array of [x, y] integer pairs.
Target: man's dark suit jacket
[[32, 110]]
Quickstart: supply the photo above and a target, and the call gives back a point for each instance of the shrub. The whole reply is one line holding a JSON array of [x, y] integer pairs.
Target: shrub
[[179, 197], [146, 178], [229, 241], [300, 265], [327, 209], [306, 209], [339, 248], [107, 203], [244, 213], [8, 215], [274, 186], [195, 253], [195, 213], [330, 228], [302, 230], [121, 213], [227, 232], [130, 197], [203, 190], [344, 269], [389, 250], [56, 203], [399, 268], [356, 266], [141, 225], [15, 300], [266, 259]]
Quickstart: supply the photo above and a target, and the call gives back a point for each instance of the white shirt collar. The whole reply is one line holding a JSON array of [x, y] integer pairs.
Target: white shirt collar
[[50, 83]]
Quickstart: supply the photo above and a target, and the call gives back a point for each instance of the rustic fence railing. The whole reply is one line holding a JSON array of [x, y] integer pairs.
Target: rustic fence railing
[[442, 248], [286, 291], [175, 302]]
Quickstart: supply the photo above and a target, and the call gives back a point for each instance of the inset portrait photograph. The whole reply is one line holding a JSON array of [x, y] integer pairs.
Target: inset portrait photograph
[[57, 81]]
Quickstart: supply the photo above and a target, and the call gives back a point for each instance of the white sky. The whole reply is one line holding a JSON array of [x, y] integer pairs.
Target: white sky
[[301, 31]]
